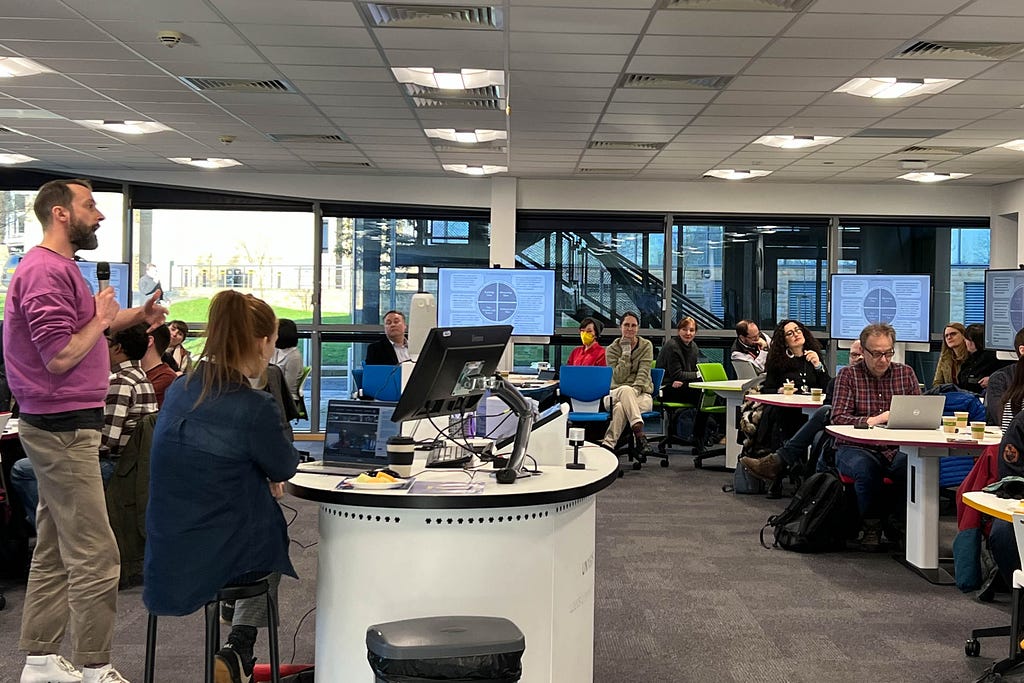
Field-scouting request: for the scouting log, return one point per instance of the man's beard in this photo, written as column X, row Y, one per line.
column 83, row 236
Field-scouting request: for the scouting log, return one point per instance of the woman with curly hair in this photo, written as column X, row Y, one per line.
column 795, row 355
column 954, row 353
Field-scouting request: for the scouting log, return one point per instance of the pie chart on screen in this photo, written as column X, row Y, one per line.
column 880, row 306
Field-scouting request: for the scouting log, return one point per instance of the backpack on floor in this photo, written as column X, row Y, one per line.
column 814, row 520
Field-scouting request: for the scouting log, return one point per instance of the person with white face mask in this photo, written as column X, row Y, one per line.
column 591, row 353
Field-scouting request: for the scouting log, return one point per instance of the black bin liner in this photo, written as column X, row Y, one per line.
column 505, row 667
column 446, row 649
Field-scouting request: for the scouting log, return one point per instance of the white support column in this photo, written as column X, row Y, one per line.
column 504, row 195
column 1006, row 250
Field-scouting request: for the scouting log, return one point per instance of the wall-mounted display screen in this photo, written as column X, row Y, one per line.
column 903, row 301
column 118, row 280
column 474, row 297
column 1004, row 308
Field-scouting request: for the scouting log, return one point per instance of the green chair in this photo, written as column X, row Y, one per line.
column 710, row 372
column 301, row 403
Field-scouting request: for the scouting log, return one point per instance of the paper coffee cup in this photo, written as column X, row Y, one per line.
column 961, row 419
column 977, row 430
column 816, row 394
column 948, row 424
column 401, row 450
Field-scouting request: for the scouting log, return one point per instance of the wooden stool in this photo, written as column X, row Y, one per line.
column 238, row 592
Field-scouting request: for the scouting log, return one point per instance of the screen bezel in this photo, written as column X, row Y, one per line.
column 124, row 297
column 833, row 330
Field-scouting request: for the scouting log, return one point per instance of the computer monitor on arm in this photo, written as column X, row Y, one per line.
column 455, row 368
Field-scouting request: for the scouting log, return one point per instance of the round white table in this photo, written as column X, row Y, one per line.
column 523, row 551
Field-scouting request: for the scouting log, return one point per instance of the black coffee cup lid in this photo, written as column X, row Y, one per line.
column 399, row 440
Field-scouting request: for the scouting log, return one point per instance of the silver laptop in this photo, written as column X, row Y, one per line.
column 355, row 438
column 916, row 412
column 744, row 370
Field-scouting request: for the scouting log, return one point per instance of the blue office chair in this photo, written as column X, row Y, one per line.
column 585, row 387
column 382, row 382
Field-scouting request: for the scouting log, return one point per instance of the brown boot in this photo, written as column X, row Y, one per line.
column 767, row 468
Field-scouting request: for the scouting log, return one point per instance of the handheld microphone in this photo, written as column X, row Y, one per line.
column 103, row 274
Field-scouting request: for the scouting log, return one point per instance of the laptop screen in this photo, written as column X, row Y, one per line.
column 357, row 432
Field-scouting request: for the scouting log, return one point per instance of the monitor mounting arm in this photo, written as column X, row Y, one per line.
column 522, row 409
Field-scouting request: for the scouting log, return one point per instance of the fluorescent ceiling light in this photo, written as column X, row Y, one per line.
column 1015, row 145
column 466, row 136
column 890, row 88
column 125, row 127
column 730, row 174
column 929, row 177
column 11, row 159
column 11, row 67
column 28, row 114
column 795, row 141
column 205, row 163
column 475, row 170
column 464, row 79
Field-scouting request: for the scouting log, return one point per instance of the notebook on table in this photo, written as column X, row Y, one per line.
column 355, row 437
column 916, row 412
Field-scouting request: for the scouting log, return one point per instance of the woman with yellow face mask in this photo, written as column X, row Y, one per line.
column 591, row 353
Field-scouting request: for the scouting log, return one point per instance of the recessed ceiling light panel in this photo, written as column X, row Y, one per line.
column 731, row 174
column 11, row 159
column 125, row 127
column 463, row 79
column 212, row 162
column 892, row 88
column 475, row 170
column 795, row 141
column 929, row 177
column 12, row 67
column 1015, row 145
column 468, row 137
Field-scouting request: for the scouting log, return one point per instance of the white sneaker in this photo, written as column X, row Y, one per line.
column 49, row 669
column 104, row 674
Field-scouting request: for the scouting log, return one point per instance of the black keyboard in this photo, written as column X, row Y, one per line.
column 449, row 454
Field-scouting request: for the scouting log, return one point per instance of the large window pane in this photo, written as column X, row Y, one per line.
column 195, row 254
column 602, row 268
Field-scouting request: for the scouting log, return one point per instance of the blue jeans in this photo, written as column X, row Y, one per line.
column 1003, row 545
column 867, row 469
column 794, row 450
column 24, row 483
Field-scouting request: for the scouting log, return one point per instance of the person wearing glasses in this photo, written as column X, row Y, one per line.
column 862, row 396
column 750, row 346
column 954, row 353
column 794, row 355
column 794, row 451
column 630, row 357
column 980, row 362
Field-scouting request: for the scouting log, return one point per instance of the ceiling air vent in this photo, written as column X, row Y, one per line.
column 475, row 98
column 354, row 165
column 386, row 15
column 956, row 49
column 202, row 84
column 608, row 171
column 623, row 144
column 939, row 150
column 763, row 5
column 899, row 133
column 305, row 137
column 675, row 81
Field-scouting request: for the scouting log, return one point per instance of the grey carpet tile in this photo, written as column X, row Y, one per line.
column 684, row 593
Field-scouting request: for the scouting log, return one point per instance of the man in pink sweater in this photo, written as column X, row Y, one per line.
column 58, row 369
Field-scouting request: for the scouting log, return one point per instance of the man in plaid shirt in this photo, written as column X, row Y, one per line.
column 131, row 395
column 863, row 393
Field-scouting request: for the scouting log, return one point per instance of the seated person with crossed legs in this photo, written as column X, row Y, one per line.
column 630, row 358
column 794, row 450
column 863, row 393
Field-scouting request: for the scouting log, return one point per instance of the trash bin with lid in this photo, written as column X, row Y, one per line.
column 451, row 648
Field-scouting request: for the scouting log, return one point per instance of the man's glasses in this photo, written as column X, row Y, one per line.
column 855, row 355
column 880, row 354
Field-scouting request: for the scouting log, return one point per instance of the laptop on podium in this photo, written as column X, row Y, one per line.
column 355, row 437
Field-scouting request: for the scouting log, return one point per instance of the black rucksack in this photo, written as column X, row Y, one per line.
column 814, row 520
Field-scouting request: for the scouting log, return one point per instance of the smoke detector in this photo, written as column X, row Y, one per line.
column 913, row 163
column 170, row 38
column 227, row 139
